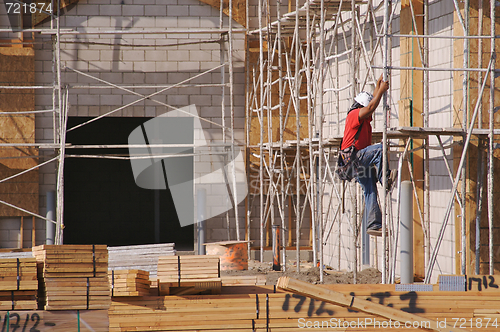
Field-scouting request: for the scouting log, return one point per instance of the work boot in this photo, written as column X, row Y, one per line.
column 375, row 230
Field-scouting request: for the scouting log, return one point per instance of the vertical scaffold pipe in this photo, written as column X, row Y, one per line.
column 353, row 186
column 321, row 92
column 261, row 120
column 465, row 103
column 490, row 135
column 284, row 229
column 384, row 142
column 479, row 200
column 310, row 121
column 297, row 118
column 406, row 232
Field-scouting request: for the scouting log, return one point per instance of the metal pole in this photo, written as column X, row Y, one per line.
column 297, row 115
column 320, row 157
column 62, row 132
column 284, row 229
column 479, row 208
column 247, row 138
column 427, row 207
column 463, row 257
column 310, row 111
column 261, row 120
column 406, row 231
column 354, row 224
column 384, row 142
column 54, row 88
column 491, row 158
column 337, row 79
column 480, row 13
column 354, row 86
column 270, row 56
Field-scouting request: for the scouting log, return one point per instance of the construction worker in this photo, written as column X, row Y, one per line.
column 367, row 165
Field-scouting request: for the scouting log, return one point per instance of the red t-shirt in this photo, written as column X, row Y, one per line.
column 351, row 127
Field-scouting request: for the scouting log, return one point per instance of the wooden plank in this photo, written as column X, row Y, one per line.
column 33, row 232
column 129, row 283
column 70, row 247
column 243, row 280
column 330, row 296
column 21, row 233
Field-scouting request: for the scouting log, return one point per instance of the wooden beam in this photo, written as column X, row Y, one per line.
column 411, row 114
column 21, row 233
column 33, row 228
column 330, row 296
column 239, row 9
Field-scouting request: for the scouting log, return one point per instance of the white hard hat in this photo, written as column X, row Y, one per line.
column 364, row 98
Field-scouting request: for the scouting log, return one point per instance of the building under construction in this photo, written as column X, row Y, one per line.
column 275, row 78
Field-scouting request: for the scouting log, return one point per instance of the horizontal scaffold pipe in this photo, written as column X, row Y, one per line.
column 439, row 37
column 25, row 87
column 216, row 85
column 139, row 32
column 435, row 69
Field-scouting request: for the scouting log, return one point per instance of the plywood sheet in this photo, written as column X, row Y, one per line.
column 412, row 90
column 239, row 9
column 40, row 16
column 17, row 69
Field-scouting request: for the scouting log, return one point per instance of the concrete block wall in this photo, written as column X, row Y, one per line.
column 154, row 60
column 10, row 232
column 441, row 115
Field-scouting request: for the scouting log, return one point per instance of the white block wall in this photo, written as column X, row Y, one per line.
column 110, row 57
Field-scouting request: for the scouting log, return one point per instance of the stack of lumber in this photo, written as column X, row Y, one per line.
column 129, row 282
column 296, row 305
column 73, row 277
column 70, row 260
column 18, row 284
column 190, row 274
column 76, row 293
column 55, row 321
column 231, row 280
column 140, row 257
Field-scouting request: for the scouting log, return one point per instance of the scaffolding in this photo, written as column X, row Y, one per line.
column 300, row 46
column 288, row 79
